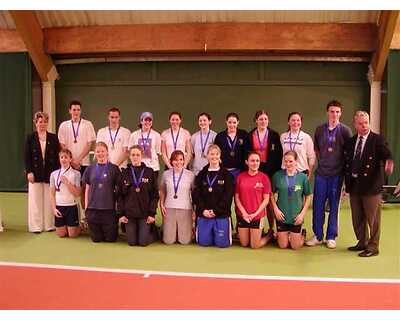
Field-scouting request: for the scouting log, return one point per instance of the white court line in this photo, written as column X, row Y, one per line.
column 148, row 273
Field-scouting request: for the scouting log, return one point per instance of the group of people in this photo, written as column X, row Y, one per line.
column 266, row 174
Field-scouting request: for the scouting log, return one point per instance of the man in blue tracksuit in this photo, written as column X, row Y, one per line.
column 329, row 140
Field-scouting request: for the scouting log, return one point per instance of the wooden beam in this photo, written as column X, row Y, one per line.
column 30, row 31
column 387, row 24
column 213, row 37
column 10, row 41
column 396, row 36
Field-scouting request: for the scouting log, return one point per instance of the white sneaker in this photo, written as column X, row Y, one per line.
column 331, row 244
column 313, row 242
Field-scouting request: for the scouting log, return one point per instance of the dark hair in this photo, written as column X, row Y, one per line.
column 204, row 114
column 252, row 153
column 65, row 151
column 259, row 113
column 175, row 113
column 175, row 155
column 75, row 103
column 114, row 109
column 291, row 153
column 232, row 114
column 334, row 103
column 292, row 114
column 137, row 147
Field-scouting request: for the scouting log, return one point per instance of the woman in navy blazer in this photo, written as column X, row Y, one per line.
column 41, row 158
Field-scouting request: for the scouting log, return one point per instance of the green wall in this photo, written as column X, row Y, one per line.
column 16, row 118
column 215, row 87
column 393, row 110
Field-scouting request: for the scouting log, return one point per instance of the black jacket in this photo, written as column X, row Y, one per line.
column 241, row 149
column 33, row 156
column 220, row 199
column 275, row 153
column 371, row 175
column 141, row 204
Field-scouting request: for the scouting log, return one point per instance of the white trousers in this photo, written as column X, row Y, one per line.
column 40, row 215
column 1, row 222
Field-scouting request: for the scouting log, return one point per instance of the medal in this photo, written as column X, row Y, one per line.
column 231, row 145
column 77, row 130
column 211, row 182
column 101, row 175
column 203, row 147
column 175, row 141
column 145, row 140
column 290, row 181
column 331, row 136
column 136, row 180
column 295, row 142
column 113, row 139
column 176, row 183
column 58, row 180
column 262, row 143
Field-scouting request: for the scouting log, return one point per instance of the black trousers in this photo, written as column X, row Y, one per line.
column 138, row 232
column 103, row 225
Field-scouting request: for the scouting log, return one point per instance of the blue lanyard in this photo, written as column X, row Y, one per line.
column 76, row 133
column 211, row 182
column 290, row 141
column 144, row 141
column 101, row 174
column 290, row 182
column 203, row 148
column 176, row 183
column 136, row 180
column 265, row 139
column 331, row 136
column 58, row 181
column 231, row 144
column 111, row 137
column 175, row 141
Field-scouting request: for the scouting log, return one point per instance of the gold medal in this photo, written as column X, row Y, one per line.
column 137, row 189
column 175, row 196
column 330, row 149
column 232, row 154
column 210, row 189
column 100, row 185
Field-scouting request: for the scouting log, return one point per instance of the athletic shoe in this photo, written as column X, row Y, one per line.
column 313, row 242
column 331, row 244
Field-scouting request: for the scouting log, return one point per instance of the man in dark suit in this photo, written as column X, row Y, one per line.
column 367, row 156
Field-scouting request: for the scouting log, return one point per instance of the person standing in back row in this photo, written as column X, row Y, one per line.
column 116, row 138
column 78, row 136
column 329, row 139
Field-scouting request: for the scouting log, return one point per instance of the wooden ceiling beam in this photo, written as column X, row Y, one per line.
column 213, row 37
column 396, row 36
column 386, row 28
column 30, row 31
column 10, row 41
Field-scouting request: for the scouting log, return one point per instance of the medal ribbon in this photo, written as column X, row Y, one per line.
column 111, row 137
column 290, row 181
column 203, row 148
column 295, row 142
column 144, row 140
column 137, row 181
column 211, row 182
column 100, row 173
column 262, row 144
column 77, row 129
column 175, row 141
column 176, row 183
column 231, row 144
column 58, row 180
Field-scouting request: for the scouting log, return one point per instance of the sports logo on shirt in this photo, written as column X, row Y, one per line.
column 258, row 185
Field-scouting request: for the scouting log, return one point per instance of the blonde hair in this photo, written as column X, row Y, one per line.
column 101, row 144
column 213, row 147
column 40, row 115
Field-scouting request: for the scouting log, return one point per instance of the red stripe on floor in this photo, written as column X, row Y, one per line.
column 38, row 288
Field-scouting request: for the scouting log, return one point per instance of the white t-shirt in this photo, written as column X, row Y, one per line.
column 85, row 135
column 121, row 141
column 151, row 144
column 303, row 145
column 63, row 196
column 184, row 199
column 184, row 136
column 200, row 157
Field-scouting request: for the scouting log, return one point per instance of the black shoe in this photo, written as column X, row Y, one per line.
column 368, row 253
column 37, row 232
column 357, row 247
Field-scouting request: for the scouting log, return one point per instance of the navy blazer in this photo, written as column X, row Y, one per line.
column 34, row 160
column 371, row 176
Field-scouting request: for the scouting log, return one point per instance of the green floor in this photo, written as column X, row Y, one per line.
column 17, row 245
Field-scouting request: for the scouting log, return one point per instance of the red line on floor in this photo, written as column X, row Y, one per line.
column 38, row 288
